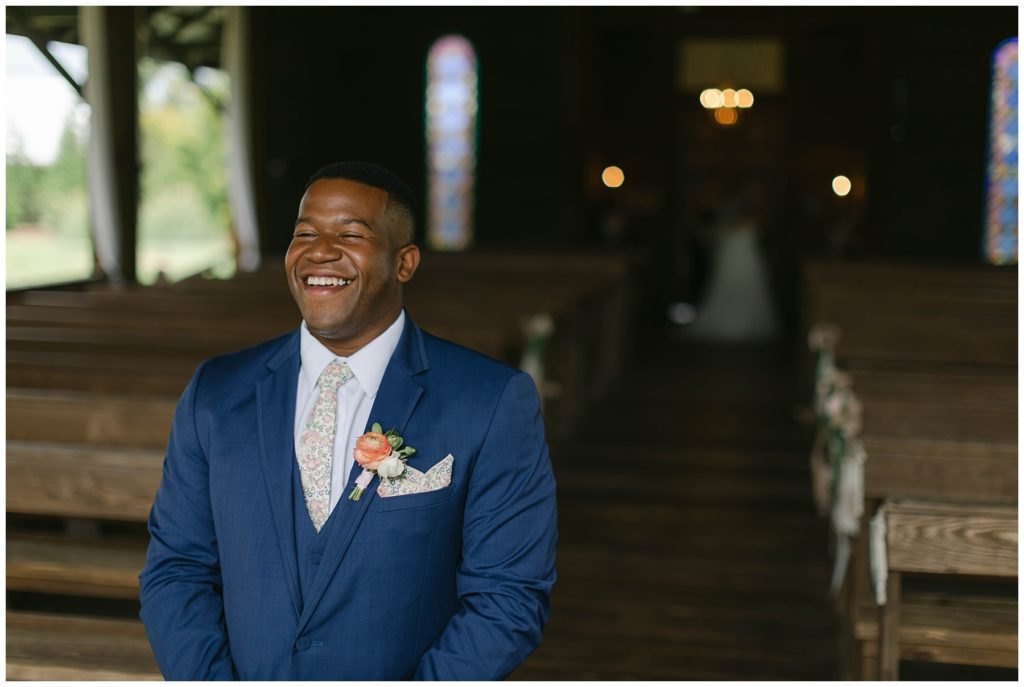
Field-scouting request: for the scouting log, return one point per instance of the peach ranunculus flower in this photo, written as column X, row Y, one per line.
column 371, row 449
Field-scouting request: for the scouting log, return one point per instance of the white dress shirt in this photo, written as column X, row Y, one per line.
column 355, row 397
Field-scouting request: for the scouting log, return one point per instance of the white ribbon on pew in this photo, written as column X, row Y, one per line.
column 538, row 330
column 847, row 509
column 842, row 561
column 849, row 501
column 821, row 473
column 879, row 555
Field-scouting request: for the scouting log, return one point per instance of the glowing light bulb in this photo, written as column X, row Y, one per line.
column 613, row 176
column 726, row 116
column 728, row 98
column 711, row 98
column 841, row 185
column 744, row 98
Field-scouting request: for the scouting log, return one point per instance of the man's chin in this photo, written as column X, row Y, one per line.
column 330, row 331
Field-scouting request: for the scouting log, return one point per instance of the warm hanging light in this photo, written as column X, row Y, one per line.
column 841, row 185
column 724, row 103
column 613, row 176
column 711, row 98
column 726, row 116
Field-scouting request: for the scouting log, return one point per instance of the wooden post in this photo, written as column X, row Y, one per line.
column 124, row 108
column 109, row 35
column 888, row 630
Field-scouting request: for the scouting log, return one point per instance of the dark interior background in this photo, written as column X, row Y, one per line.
column 898, row 95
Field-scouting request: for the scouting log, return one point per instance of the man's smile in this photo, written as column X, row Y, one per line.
column 314, row 280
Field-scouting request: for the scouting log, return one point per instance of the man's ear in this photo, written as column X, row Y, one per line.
column 408, row 261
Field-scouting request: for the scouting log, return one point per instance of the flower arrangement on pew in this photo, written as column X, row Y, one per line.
column 837, row 456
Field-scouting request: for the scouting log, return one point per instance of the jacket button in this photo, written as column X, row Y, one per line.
column 316, row 558
column 302, row 644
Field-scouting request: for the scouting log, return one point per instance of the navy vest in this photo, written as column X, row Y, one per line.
column 309, row 544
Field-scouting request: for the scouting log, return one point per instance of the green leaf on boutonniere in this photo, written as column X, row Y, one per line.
column 376, row 428
column 394, row 440
column 407, row 451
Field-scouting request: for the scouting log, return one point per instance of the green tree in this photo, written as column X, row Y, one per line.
column 24, row 201
column 182, row 145
column 63, row 186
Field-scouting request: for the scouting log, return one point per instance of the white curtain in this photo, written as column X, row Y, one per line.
column 103, row 198
column 240, row 182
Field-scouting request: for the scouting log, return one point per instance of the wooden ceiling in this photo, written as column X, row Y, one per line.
column 187, row 34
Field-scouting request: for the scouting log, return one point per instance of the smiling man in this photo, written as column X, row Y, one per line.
column 357, row 499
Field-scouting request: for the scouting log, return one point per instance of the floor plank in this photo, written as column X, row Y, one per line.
column 689, row 546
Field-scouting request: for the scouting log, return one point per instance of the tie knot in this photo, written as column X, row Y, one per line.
column 334, row 375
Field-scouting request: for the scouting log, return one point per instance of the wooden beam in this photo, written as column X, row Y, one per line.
column 23, row 26
column 123, row 69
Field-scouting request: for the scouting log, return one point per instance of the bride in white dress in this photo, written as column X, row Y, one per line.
column 739, row 305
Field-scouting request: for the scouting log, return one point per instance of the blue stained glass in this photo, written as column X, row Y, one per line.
column 451, row 123
column 1001, row 193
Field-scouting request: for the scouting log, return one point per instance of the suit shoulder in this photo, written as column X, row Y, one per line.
column 254, row 358
column 456, row 360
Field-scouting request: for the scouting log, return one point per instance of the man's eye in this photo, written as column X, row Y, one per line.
column 303, row 234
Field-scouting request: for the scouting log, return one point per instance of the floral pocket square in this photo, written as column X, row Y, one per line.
column 412, row 481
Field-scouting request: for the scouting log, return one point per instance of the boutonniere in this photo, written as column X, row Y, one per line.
column 380, row 452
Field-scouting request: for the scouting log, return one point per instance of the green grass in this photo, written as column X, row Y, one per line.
column 38, row 257
column 180, row 259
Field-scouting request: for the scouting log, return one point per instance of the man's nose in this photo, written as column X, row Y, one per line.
column 324, row 249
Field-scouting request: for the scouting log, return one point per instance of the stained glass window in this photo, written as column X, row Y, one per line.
column 451, row 114
column 1001, row 201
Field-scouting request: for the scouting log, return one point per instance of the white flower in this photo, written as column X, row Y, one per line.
column 392, row 466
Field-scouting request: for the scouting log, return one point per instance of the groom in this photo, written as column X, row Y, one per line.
column 356, row 499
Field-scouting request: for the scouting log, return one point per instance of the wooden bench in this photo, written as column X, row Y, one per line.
column 932, row 352
column 952, row 437
column 905, row 313
column 92, row 484
column 93, row 377
column 933, row 538
column 80, row 481
column 50, row 646
column 75, row 566
column 479, row 301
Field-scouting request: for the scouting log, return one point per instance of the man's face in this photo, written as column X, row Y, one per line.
column 344, row 269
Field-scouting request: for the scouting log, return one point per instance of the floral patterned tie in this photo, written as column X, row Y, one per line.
column 316, row 446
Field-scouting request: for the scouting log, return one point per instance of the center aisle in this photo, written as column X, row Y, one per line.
column 689, row 546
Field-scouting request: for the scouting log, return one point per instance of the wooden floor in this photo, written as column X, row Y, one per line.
column 689, row 547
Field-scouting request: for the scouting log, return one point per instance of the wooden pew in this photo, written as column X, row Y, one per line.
column 481, row 302
column 904, row 313
column 94, row 374
column 81, row 481
column 943, row 538
column 953, row 437
column 90, row 485
column 49, row 646
column 932, row 352
column 75, row 566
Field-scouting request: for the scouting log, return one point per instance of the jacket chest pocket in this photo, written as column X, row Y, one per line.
column 403, row 502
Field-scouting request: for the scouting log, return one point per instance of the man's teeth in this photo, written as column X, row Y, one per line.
column 327, row 281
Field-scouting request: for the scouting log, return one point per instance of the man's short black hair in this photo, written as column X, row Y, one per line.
column 400, row 199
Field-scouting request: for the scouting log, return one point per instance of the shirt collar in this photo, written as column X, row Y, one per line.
column 368, row 364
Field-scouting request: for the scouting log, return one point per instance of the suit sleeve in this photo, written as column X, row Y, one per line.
column 507, row 570
column 180, row 586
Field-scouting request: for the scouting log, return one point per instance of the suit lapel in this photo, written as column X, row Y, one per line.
column 396, row 399
column 275, row 420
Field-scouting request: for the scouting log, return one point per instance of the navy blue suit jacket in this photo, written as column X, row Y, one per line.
column 449, row 584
